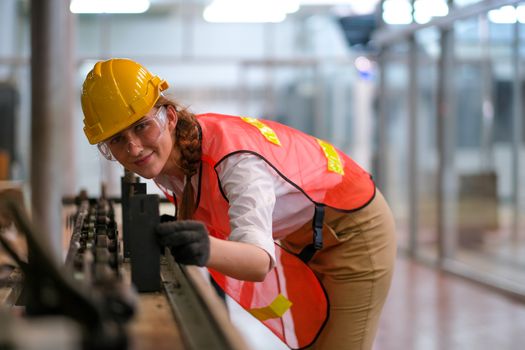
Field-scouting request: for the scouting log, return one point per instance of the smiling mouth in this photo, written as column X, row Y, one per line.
column 143, row 160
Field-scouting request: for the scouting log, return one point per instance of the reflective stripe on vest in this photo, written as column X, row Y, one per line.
column 275, row 310
column 332, row 157
column 334, row 163
column 266, row 131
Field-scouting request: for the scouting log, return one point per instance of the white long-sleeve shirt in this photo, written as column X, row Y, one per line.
column 263, row 206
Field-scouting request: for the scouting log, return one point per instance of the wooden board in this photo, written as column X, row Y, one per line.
column 154, row 327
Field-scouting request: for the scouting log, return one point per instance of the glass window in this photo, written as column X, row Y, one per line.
column 396, row 100
column 484, row 83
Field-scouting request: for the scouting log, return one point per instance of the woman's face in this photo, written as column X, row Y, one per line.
column 140, row 153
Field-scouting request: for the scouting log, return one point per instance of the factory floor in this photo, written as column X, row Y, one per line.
column 428, row 310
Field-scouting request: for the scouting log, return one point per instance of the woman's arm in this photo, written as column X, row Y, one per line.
column 249, row 186
column 239, row 260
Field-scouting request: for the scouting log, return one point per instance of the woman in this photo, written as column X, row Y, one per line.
column 241, row 185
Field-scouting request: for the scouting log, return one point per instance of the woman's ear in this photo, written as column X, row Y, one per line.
column 172, row 117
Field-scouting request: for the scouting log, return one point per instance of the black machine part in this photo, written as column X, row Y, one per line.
column 144, row 249
column 50, row 291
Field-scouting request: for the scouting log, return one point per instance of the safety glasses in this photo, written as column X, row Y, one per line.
column 147, row 131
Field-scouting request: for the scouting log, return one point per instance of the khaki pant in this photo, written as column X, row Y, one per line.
column 355, row 267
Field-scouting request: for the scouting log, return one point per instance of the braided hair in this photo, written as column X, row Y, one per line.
column 187, row 140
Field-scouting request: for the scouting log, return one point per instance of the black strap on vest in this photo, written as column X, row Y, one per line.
column 317, row 225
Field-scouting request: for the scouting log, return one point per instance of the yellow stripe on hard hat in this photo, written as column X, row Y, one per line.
column 275, row 310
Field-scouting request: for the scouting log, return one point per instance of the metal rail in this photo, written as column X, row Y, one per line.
column 388, row 36
column 203, row 321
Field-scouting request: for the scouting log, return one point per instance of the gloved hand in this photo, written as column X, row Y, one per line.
column 187, row 240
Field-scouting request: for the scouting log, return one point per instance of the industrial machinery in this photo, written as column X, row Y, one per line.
column 114, row 291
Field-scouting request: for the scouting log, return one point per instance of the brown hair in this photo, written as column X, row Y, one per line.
column 189, row 143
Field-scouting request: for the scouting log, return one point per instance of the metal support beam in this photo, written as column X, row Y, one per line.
column 388, row 36
column 446, row 144
column 487, row 76
column 51, row 114
column 381, row 155
column 517, row 127
column 413, row 188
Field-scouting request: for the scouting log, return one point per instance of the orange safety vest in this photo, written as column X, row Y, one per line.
column 290, row 301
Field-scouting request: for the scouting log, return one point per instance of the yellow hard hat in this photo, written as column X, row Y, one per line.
column 115, row 94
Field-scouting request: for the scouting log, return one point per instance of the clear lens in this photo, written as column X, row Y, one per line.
column 147, row 130
column 104, row 149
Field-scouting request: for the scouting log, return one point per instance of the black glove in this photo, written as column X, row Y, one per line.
column 166, row 218
column 187, row 240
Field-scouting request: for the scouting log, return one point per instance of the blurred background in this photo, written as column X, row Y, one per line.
column 427, row 95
